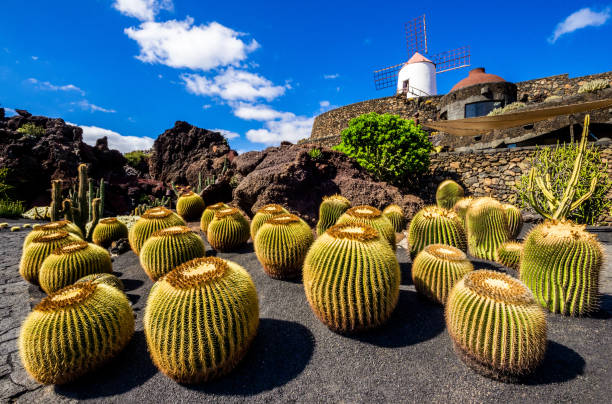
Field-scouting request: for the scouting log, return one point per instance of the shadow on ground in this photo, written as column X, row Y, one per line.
column 560, row 364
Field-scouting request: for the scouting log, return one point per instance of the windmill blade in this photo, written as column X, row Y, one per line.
column 387, row 77
column 452, row 59
column 416, row 36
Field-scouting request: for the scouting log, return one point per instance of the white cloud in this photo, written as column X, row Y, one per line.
column 180, row 44
column 227, row 133
column 34, row 57
column 45, row 85
column 234, row 85
column 580, row 19
column 324, row 104
column 87, row 106
column 206, row 106
column 115, row 140
column 290, row 129
column 331, row 76
column 259, row 112
column 144, row 10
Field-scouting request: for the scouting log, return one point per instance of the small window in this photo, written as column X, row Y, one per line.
column 405, row 84
column 481, row 108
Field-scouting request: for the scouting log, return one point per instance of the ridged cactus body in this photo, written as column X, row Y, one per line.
column 515, row 220
column 395, row 214
column 437, row 268
column 461, row 207
column 330, row 211
column 561, row 265
column 190, row 206
column 281, row 245
column 435, row 225
column 151, row 221
column 228, row 230
column 509, row 254
column 351, row 278
column 40, row 248
column 497, row 327
column 448, row 193
column 209, row 214
column 108, row 279
column 40, row 229
column 371, row 216
column 168, row 248
column 266, row 212
column 200, row 319
column 74, row 331
column 487, row 227
column 108, row 230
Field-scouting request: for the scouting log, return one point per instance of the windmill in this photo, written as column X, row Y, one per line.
column 417, row 76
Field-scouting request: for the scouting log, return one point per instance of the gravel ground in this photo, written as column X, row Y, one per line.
column 296, row 358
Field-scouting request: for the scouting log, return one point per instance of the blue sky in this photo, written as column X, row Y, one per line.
column 262, row 70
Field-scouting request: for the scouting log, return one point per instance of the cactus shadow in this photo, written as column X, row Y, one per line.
column 131, row 284
column 605, row 308
column 279, row 353
column 561, row 364
column 405, row 263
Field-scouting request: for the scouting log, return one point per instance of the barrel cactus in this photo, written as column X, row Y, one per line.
column 40, row 248
column 515, row 220
column 151, row 221
column 190, row 206
column 330, row 211
column 109, row 230
column 509, row 254
column 168, row 248
column 75, row 330
column 263, row 214
column 448, row 193
column 395, row 214
column 437, row 268
column 496, row 326
column 228, row 230
column 40, row 229
column 351, row 278
column 71, row 262
column 487, row 227
column 461, row 207
column 435, row 225
column 209, row 214
column 281, row 245
column 108, row 279
column 200, row 319
column 371, row 216
column 561, row 264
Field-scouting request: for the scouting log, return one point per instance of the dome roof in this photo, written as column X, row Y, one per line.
column 416, row 58
column 477, row 76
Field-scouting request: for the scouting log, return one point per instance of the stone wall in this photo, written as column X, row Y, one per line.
column 538, row 89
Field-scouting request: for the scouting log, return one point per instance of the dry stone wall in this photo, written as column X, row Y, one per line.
column 562, row 84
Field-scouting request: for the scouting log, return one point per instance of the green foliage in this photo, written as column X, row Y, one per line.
column 31, row 130
column 593, row 85
column 4, row 187
column 507, row 109
column 315, row 154
column 135, row 158
column 389, row 147
column 10, row 208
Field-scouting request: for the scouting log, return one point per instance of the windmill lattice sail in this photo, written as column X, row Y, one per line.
column 452, row 59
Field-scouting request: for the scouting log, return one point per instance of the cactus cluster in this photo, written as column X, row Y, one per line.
column 330, row 211
column 151, row 221
column 351, row 278
column 108, row 279
column 40, row 248
column 497, row 327
column 435, row 225
column 509, row 254
column 190, row 206
column 228, row 230
column 209, row 214
column 461, row 207
column 487, row 227
column 109, row 230
column 262, row 215
column 74, row 331
column 395, row 214
column 40, row 229
column 448, row 193
column 281, row 245
column 515, row 220
column 200, row 319
column 371, row 216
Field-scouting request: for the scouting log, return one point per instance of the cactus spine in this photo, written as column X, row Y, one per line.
column 281, row 245
column 497, row 327
column 209, row 215
column 435, row 225
column 52, row 227
column 190, row 206
column 151, row 221
column 461, row 207
column 371, row 216
column 351, row 278
column 330, row 211
column 437, row 268
column 448, row 193
column 228, row 230
column 395, row 214
column 263, row 214
column 108, row 279
column 109, row 230
column 509, row 254
column 200, row 319
column 515, row 220
column 74, row 331
column 487, row 227
column 39, row 249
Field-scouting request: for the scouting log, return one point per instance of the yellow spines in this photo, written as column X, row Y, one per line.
column 263, row 214
column 209, row 214
column 168, row 248
column 487, row 227
column 435, row 225
column 108, row 279
column 371, row 216
column 108, row 230
column 496, row 325
column 190, row 206
column 437, row 268
column 461, row 207
column 395, row 214
column 509, row 254
column 200, row 319
column 330, row 211
column 281, row 245
column 74, row 331
column 40, row 248
column 351, row 278
column 70, row 263
column 515, row 220
column 448, row 193
column 228, row 230
column 151, row 221
column 40, row 229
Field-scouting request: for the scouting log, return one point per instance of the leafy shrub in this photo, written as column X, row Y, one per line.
column 315, row 153
column 4, row 187
column 136, row 158
column 507, row 109
column 31, row 130
column 389, row 147
column 10, row 208
column 593, row 85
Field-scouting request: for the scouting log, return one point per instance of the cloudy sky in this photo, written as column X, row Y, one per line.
column 261, row 71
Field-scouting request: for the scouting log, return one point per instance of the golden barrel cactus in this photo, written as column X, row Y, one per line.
column 263, row 214
column 509, row 254
column 40, row 248
column 209, row 214
column 461, row 207
column 395, row 214
column 371, row 216
column 330, row 211
column 448, row 193
column 108, row 230
column 435, row 225
column 515, row 220
column 40, row 229
column 190, row 206
column 228, row 230
column 151, row 221
column 108, row 279
column 487, row 227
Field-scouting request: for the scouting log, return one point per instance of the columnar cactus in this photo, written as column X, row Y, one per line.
column 228, row 230
column 330, row 211
column 351, row 278
column 190, row 206
column 371, row 216
column 151, row 221
column 461, row 207
column 561, row 264
column 71, row 262
column 487, row 227
column 435, row 225
column 39, row 249
column 108, row 279
column 515, row 220
column 209, row 215
column 168, row 248
column 395, row 214
column 437, row 268
column 75, row 330
column 509, row 254
column 263, row 214
column 497, row 327
column 40, row 229
column 109, row 230
column 200, row 319
column 281, row 245
column 448, row 193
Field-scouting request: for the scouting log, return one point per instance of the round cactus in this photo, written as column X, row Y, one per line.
column 395, row 214
column 448, row 193
column 263, row 214
column 487, row 227
column 168, row 248
column 200, row 319
column 351, row 278
column 371, row 216
column 497, row 327
column 70, row 263
column 39, row 249
column 228, row 230
column 330, row 211
column 515, row 220
column 108, row 279
column 74, row 331
column 209, row 215
column 462, row 206
column 64, row 225
column 437, row 268
column 435, row 225
column 151, row 221
column 562, row 264
column 509, row 254
column 108, row 230
column 281, row 245
column 190, row 206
